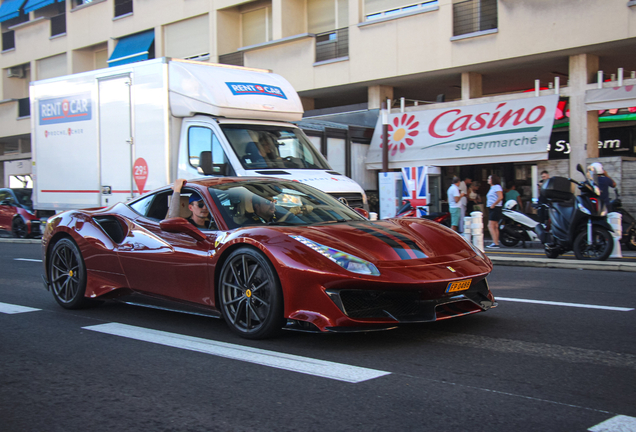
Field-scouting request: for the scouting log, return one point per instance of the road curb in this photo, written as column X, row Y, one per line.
column 563, row 263
column 18, row 240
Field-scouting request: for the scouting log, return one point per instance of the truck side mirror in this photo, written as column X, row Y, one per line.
column 180, row 225
column 207, row 165
column 205, row 162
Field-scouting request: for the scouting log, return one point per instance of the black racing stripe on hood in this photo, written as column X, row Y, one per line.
column 403, row 246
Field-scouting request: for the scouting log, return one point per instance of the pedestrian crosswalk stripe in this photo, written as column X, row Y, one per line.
column 305, row 365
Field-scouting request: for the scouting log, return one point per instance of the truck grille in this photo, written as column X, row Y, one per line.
column 353, row 199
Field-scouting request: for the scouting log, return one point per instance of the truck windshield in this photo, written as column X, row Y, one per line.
column 263, row 147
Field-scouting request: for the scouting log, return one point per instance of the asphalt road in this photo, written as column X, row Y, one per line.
column 521, row 366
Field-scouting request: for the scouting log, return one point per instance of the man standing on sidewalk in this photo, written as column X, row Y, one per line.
column 454, row 195
column 463, row 202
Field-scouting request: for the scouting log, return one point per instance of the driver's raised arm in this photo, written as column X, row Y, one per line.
column 175, row 200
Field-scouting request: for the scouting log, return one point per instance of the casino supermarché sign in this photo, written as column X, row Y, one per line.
column 505, row 131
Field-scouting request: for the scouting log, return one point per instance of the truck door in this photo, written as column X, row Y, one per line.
column 115, row 139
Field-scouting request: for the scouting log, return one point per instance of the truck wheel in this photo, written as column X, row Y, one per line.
column 19, row 228
column 599, row 250
column 250, row 295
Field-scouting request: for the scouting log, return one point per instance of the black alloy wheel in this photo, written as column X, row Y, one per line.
column 19, row 228
column 67, row 275
column 250, row 295
column 599, row 250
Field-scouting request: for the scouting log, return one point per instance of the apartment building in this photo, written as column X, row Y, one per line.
column 348, row 56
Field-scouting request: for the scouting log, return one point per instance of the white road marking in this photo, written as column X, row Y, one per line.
column 27, row 259
column 15, row 309
column 619, row 423
column 306, row 365
column 579, row 305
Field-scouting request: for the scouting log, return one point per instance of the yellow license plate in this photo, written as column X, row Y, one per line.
column 458, row 286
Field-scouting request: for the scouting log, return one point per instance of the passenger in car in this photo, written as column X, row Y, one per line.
column 265, row 211
column 200, row 214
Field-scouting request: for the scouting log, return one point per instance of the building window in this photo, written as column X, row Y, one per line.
column 24, row 107
column 256, row 26
column 82, row 2
column 235, row 59
column 332, row 45
column 188, row 39
column 8, row 40
column 470, row 16
column 123, row 7
column 327, row 15
column 58, row 24
column 376, row 9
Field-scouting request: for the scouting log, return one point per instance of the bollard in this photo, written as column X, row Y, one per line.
column 477, row 229
column 615, row 221
column 373, row 216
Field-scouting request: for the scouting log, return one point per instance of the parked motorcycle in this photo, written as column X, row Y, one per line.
column 407, row 210
column 516, row 226
column 628, row 223
column 577, row 223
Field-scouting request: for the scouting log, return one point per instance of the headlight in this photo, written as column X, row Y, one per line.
column 344, row 260
column 583, row 209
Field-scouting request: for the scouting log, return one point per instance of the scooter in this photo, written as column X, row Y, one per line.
column 407, row 210
column 578, row 223
column 516, row 226
column 628, row 223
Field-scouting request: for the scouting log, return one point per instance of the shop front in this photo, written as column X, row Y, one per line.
column 507, row 136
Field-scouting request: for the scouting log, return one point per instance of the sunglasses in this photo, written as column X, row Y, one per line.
column 200, row 203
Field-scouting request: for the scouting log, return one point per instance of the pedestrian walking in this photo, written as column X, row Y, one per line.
column 494, row 201
column 454, row 195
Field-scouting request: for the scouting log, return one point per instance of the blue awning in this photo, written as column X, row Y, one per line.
column 132, row 48
column 32, row 5
column 10, row 9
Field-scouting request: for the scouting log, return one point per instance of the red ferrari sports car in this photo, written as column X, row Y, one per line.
column 311, row 263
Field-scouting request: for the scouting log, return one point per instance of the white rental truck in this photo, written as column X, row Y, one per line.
column 108, row 135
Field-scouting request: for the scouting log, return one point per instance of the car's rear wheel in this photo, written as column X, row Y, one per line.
column 250, row 295
column 67, row 275
column 19, row 228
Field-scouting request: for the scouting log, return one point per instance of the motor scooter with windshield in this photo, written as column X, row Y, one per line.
column 577, row 223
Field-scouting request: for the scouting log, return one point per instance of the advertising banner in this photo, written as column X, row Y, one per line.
column 511, row 131
column 610, row 98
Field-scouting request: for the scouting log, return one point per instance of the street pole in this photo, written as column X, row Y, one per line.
column 385, row 137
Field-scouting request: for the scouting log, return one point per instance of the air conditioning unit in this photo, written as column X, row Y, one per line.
column 15, row 72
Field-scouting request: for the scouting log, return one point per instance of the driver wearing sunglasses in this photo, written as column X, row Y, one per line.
column 200, row 217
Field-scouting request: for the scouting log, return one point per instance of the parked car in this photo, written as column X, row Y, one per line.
column 17, row 215
column 319, row 265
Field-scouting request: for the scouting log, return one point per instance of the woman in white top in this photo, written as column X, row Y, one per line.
column 494, row 201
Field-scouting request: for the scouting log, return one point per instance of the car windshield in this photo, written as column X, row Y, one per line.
column 263, row 147
column 24, row 197
column 289, row 203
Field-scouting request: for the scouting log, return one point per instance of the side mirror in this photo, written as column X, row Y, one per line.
column 208, row 167
column 579, row 168
column 180, row 225
column 362, row 212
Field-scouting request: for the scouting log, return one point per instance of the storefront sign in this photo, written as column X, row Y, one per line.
column 612, row 142
column 511, row 131
column 610, row 98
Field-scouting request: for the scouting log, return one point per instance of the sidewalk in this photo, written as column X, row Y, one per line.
column 533, row 256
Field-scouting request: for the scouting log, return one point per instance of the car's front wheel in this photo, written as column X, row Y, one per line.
column 250, row 295
column 67, row 275
column 19, row 228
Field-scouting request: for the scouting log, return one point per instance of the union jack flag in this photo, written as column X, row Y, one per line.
column 414, row 184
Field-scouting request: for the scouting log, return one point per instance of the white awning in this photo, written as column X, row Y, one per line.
column 610, row 98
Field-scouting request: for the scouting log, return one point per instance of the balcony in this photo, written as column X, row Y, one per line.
column 332, row 45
